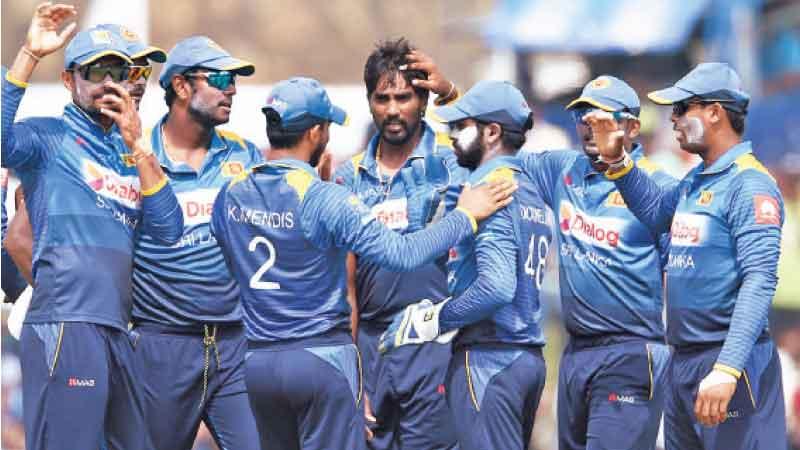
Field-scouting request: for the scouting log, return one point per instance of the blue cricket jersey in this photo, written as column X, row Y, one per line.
column 383, row 292
column 13, row 283
column 285, row 235
column 611, row 265
column 725, row 224
column 86, row 207
column 495, row 277
column 188, row 283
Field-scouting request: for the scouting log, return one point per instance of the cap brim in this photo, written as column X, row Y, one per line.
column 95, row 56
column 591, row 101
column 449, row 113
column 339, row 116
column 154, row 53
column 669, row 95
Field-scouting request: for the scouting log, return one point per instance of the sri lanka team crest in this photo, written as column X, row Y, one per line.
column 111, row 185
column 615, row 199
column 705, row 199
column 232, row 168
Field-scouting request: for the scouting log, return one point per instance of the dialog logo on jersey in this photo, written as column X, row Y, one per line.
column 767, row 210
column 232, row 168
column 600, row 231
column 197, row 205
column 392, row 213
column 688, row 230
column 111, row 185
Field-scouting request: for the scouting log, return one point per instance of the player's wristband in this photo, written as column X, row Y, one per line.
column 619, row 169
column 727, row 369
column 470, row 217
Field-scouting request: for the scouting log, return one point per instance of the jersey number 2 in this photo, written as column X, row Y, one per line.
column 255, row 280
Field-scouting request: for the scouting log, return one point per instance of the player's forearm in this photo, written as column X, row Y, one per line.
column 352, row 298
column 407, row 252
column 652, row 204
column 761, row 250
column 23, row 66
column 480, row 301
column 13, row 90
column 162, row 217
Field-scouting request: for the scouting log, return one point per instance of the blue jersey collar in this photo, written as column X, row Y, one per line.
column 78, row 118
column 286, row 164
column 510, row 161
column 426, row 145
column 728, row 158
column 156, row 139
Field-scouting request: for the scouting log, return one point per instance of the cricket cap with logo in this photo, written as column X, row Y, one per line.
column 302, row 102
column 712, row 81
column 201, row 52
column 136, row 47
column 609, row 94
column 491, row 101
column 90, row 45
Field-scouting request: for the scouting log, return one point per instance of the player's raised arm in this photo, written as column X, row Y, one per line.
column 21, row 144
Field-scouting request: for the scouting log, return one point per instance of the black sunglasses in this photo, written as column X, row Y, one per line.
column 96, row 74
column 680, row 108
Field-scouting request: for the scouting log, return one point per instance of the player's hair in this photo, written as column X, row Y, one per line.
column 511, row 140
column 169, row 92
column 280, row 137
column 386, row 59
column 737, row 121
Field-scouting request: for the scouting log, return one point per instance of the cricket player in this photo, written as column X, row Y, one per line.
column 406, row 388
column 19, row 241
column 497, row 372
column 285, row 235
column 725, row 222
column 187, row 330
column 611, row 374
column 91, row 186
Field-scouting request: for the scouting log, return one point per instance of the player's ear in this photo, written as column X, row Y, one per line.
column 182, row 87
column 67, row 78
column 634, row 128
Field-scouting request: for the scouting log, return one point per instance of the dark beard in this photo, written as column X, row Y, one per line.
column 410, row 129
column 316, row 156
column 471, row 157
column 203, row 118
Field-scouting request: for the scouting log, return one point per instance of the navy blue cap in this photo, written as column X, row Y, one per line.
column 708, row 81
column 609, row 94
column 136, row 48
column 490, row 101
column 90, row 45
column 301, row 102
column 201, row 51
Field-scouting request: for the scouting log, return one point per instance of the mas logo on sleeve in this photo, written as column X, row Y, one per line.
column 232, row 168
column 767, row 210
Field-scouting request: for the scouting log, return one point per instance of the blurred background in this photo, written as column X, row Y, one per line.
column 549, row 48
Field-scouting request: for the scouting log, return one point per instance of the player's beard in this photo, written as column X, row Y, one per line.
column 201, row 113
column 468, row 149
column 409, row 130
column 691, row 135
column 85, row 96
column 317, row 155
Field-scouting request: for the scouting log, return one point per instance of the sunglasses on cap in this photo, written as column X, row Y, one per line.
column 96, row 74
column 220, row 80
column 137, row 72
column 579, row 113
column 680, row 108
